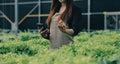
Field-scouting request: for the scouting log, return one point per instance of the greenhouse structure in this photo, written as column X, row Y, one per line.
column 25, row 14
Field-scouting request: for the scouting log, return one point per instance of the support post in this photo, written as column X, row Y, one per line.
column 15, row 24
column 39, row 11
column 88, row 17
column 105, row 22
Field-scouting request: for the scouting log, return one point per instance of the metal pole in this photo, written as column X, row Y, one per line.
column 16, row 17
column 116, row 27
column 88, row 15
column 105, row 21
column 39, row 11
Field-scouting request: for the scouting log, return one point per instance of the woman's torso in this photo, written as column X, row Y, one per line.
column 57, row 37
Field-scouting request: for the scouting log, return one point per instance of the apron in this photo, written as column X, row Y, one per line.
column 57, row 37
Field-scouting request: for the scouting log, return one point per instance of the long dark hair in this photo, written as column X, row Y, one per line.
column 55, row 7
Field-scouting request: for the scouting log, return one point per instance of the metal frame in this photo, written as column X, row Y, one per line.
column 33, row 2
column 16, row 4
column 115, row 17
column 4, row 16
column 38, row 4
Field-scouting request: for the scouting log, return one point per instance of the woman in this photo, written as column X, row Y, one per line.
column 64, row 22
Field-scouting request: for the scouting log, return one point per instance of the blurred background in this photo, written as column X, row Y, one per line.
column 25, row 14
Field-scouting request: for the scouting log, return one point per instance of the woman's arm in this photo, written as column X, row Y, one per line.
column 62, row 27
column 69, row 31
column 77, row 24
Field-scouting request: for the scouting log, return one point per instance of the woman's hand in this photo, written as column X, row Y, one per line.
column 62, row 26
column 44, row 32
